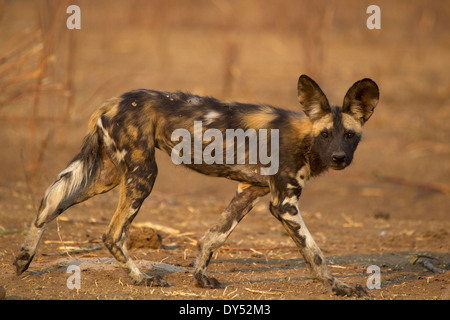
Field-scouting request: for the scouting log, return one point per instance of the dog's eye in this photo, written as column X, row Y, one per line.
column 324, row 134
column 350, row 135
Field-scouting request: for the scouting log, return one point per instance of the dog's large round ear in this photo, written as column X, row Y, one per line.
column 313, row 100
column 361, row 99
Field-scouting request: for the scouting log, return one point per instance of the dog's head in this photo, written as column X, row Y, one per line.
column 336, row 131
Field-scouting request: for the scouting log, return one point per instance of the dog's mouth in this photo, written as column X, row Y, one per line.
column 338, row 166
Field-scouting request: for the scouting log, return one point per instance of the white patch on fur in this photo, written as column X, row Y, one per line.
column 350, row 123
column 297, row 219
column 221, row 237
column 53, row 196
column 326, row 122
column 120, row 155
column 68, row 182
column 106, row 138
column 293, row 218
column 314, row 111
column 241, row 187
column 302, row 176
column 303, row 231
column 194, row 100
column 292, row 201
column 76, row 177
column 210, row 117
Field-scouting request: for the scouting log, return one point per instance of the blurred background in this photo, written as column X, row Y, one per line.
column 52, row 79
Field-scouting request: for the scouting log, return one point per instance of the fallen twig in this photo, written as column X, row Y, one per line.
column 68, row 250
column 430, row 266
column 60, row 238
column 262, row 292
column 426, row 261
column 157, row 227
column 258, row 248
column 337, row 266
column 74, row 220
column 94, row 240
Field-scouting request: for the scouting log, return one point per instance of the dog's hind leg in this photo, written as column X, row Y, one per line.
column 136, row 185
column 78, row 182
column 91, row 172
column 244, row 200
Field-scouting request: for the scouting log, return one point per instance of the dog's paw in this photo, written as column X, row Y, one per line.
column 203, row 281
column 22, row 262
column 342, row 289
column 155, row 281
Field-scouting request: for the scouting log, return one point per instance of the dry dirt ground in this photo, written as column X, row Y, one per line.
column 389, row 209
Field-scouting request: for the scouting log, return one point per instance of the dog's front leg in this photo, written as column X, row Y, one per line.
column 244, row 200
column 285, row 209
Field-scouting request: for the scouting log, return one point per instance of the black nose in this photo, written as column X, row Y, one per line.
column 339, row 157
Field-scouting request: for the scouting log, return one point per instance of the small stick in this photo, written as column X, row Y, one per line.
column 261, row 292
column 258, row 248
column 59, row 235
column 94, row 240
column 429, row 265
column 91, row 221
column 75, row 250
column 157, row 227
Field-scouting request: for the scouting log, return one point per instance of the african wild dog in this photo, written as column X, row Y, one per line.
column 120, row 149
